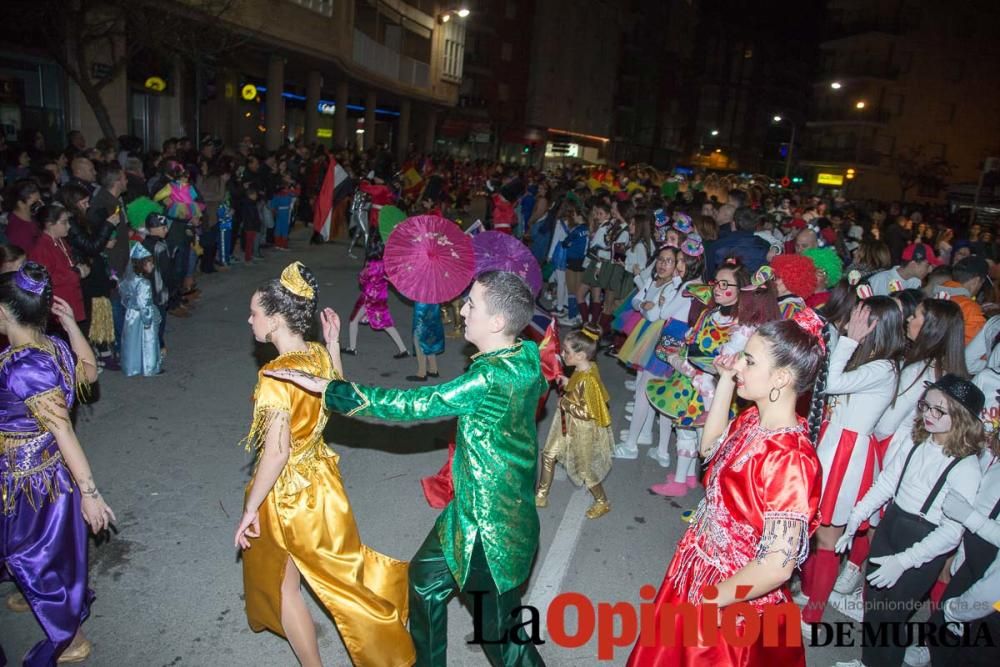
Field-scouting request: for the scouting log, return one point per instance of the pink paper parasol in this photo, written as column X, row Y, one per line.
column 496, row 251
column 429, row 259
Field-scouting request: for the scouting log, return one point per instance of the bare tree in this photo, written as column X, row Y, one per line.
column 916, row 169
column 78, row 34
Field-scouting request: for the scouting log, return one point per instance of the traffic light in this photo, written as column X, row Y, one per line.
column 850, row 173
column 526, row 149
column 796, row 179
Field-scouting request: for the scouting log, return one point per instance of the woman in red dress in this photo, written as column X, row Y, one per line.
column 53, row 252
column 762, row 490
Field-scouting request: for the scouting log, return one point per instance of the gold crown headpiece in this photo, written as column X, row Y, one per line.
column 292, row 280
column 592, row 335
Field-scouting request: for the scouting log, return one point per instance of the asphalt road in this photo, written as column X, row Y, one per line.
column 165, row 454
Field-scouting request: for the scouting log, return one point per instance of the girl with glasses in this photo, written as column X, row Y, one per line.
column 916, row 536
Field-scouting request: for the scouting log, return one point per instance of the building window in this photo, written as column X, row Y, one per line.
column 453, row 52
column 507, row 52
column 324, row 7
column 511, row 12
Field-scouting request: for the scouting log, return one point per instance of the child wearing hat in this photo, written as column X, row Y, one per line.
column 155, row 242
column 140, row 335
column 916, row 537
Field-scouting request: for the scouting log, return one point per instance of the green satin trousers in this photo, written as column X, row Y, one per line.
column 431, row 587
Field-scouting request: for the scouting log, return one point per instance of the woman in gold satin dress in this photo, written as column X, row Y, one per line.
column 297, row 521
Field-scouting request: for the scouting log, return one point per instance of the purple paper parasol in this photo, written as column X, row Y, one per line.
column 429, row 259
column 496, row 251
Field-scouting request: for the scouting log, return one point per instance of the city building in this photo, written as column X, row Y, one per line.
column 365, row 71
column 907, row 98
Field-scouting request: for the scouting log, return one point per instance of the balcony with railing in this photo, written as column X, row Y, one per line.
column 390, row 64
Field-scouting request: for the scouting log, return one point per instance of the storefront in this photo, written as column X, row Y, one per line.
column 32, row 97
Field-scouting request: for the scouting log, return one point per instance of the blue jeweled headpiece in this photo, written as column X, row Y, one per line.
column 27, row 283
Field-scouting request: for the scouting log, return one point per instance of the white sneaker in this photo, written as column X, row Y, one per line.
column 849, row 663
column 664, row 461
column 630, row 385
column 849, row 579
column 917, row 656
column 622, row 452
column 851, row 604
column 630, row 406
column 570, row 321
column 648, row 440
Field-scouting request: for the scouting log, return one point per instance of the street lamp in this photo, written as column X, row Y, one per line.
column 835, row 85
column 860, row 104
column 791, row 144
column 715, row 133
column 460, row 13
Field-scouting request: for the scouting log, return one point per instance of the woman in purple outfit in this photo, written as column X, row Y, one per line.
column 46, row 487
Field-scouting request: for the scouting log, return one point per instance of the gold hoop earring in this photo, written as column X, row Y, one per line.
column 267, row 336
column 771, row 396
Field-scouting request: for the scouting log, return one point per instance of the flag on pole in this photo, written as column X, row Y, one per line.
column 335, row 184
column 544, row 330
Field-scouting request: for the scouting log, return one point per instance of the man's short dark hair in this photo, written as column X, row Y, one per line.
column 508, row 295
column 110, row 175
column 746, row 220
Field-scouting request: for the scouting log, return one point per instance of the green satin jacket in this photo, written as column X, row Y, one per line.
column 495, row 456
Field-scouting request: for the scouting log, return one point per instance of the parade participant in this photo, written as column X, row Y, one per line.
column 598, row 257
column 428, row 340
column 48, row 490
column 580, row 437
column 486, row 538
column 829, row 269
column 970, row 596
column 297, row 521
column 935, row 349
column 372, row 306
column 762, row 490
column 660, row 299
column 795, row 280
column 141, row 335
column 861, row 381
column 680, row 396
column 915, row 537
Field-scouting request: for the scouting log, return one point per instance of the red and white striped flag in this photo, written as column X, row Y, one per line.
column 336, row 179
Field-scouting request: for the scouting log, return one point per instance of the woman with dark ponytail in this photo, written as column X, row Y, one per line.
column 762, row 490
column 297, row 520
column 48, row 490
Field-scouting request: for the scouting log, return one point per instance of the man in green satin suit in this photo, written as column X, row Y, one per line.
column 484, row 540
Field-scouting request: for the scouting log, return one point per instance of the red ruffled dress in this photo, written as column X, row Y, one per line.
column 758, row 484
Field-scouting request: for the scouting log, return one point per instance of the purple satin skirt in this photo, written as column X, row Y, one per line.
column 43, row 544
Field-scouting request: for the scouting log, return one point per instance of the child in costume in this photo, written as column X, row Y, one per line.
column 486, row 538
column 225, row 225
column 428, row 339
column 297, row 520
column 283, row 205
column 680, row 396
column 660, row 302
column 916, row 537
column 141, row 333
column 372, row 306
column 795, row 280
column 46, row 484
column 181, row 200
column 829, row 270
column 580, row 437
column 155, row 243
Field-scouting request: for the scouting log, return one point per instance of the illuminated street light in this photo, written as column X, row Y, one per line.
column 777, row 119
column 835, row 85
column 445, row 18
column 715, row 133
column 462, row 13
column 718, row 150
column 860, row 104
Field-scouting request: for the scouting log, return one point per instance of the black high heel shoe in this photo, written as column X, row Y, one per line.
column 349, row 350
column 401, row 355
column 433, row 375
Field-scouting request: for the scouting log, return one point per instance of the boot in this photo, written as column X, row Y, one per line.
column 601, row 505
column 604, row 321
column 545, row 481
column 594, row 314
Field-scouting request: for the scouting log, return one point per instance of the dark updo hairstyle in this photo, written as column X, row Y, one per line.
column 796, row 349
column 299, row 312
column 28, row 308
column 908, row 300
